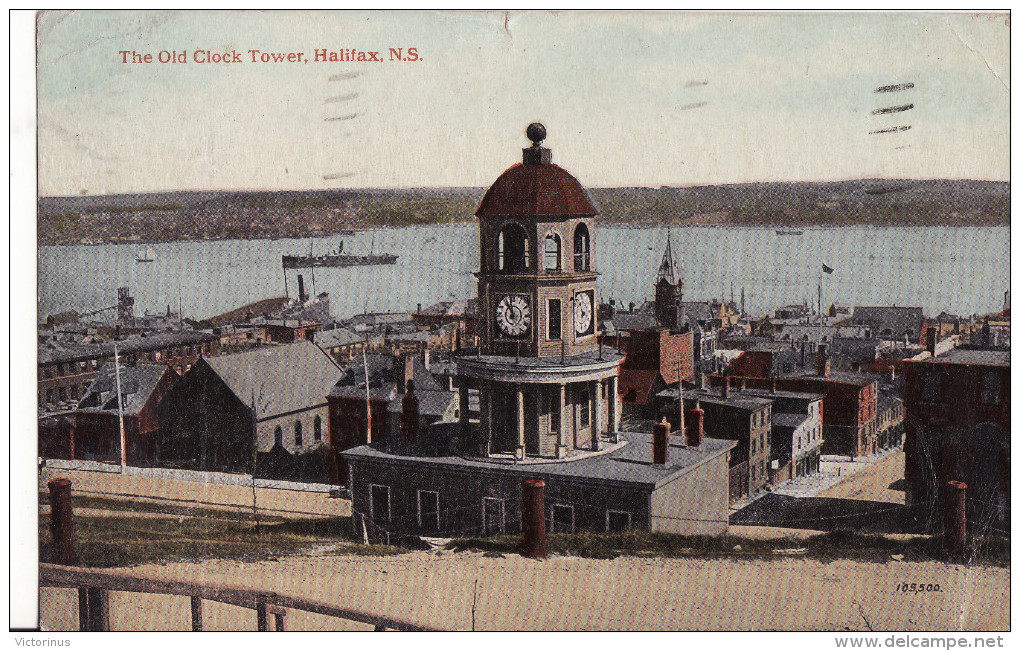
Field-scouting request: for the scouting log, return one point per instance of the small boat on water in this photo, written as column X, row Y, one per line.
column 789, row 232
column 148, row 255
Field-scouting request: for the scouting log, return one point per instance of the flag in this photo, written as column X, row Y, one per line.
column 827, row 269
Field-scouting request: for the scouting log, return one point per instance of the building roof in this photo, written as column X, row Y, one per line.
column 451, row 308
column 337, row 337
column 640, row 381
column 791, row 421
column 891, row 321
column 536, row 190
column 779, row 393
column 382, row 378
column 977, row 357
column 623, row 321
column 430, row 403
column 628, row 465
column 280, row 379
column 736, row 399
column 137, row 382
column 55, row 353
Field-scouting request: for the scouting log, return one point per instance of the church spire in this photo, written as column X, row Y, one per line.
column 667, row 268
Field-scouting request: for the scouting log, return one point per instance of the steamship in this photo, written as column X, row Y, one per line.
column 336, row 258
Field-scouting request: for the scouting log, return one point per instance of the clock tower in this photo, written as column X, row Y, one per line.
column 545, row 386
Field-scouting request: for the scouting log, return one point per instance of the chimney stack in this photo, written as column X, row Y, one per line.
column 409, row 415
column 932, row 335
column 405, row 371
column 660, row 442
column 725, row 387
column 695, row 425
column 822, row 364
column 302, row 297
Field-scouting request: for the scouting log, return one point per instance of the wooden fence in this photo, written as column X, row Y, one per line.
column 94, row 587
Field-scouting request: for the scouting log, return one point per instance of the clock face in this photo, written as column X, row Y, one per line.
column 582, row 313
column 513, row 315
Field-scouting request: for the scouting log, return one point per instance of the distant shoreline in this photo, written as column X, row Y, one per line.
column 221, row 215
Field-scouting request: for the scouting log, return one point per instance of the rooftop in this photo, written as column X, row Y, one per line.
column 627, row 464
column 979, row 357
column 792, row 421
column 736, row 399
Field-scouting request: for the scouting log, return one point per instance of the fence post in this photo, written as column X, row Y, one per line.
column 61, row 523
column 196, row 613
column 955, row 516
column 262, row 611
column 93, row 609
column 533, row 518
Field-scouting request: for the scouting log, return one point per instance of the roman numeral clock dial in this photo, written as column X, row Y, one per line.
column 582, row 313
column 513, row 315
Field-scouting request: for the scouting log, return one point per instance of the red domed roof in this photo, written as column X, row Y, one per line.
column 534, row 190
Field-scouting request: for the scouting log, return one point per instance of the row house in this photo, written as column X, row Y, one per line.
column 67, row 369
column 957, row 421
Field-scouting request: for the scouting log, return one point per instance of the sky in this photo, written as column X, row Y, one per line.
column 640, row 98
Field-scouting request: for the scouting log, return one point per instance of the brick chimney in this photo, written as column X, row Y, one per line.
column 660, row 442
column 822, row 364
column 932, row 335
column 409, row 414
column 695, row 425
column 404, row 371
column 725, row 387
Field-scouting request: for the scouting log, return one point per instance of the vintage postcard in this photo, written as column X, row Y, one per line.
column 523, row 321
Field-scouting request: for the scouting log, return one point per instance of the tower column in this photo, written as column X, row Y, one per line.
column 520, row 423
column 465, row 423
column 596, row 418
column 561, row 436
column 614, row 407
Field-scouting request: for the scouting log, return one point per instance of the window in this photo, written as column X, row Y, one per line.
column 931, row 387
column 554, row 413
column 278, row 436
column 492, row 516
column 513, row 249
column 562, row 520
column 555, row 316
column 428, row 511
column 297, row 433
column 582, row 249
column 552, row 252
column 990, row 383
column 617, row 521
column 379, row 503
column 317, row 428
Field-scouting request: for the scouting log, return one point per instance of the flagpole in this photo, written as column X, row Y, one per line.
column 120, row 410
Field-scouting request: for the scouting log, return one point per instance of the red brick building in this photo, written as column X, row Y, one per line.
column 957, row 428
column 656, row 359
column 850, row 406
column 96, row 433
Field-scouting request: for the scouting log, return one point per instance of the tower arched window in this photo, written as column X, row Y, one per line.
column 513, row 251
column 297, row 434
column 317, row 428
column 582, row 248
column 552, row 252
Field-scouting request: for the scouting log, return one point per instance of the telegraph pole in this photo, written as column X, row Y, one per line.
column 120, row 410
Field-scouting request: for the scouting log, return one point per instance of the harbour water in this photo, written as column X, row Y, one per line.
column 963, row 270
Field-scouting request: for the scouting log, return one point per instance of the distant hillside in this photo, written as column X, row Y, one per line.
column 167, row 216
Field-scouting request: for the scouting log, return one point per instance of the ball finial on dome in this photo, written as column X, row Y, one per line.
column 536, row 133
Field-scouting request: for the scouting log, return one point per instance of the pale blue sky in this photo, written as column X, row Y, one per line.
column 624, row 98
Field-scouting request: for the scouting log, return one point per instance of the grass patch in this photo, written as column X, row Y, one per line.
column 118, row 541
column 826, row 547
column 79, row 501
